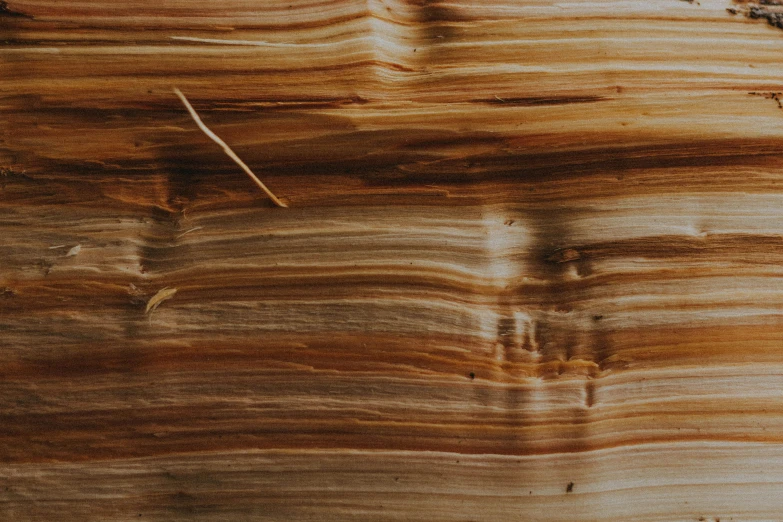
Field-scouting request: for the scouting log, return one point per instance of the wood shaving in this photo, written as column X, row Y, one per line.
column 163, row 294
column 231, row 154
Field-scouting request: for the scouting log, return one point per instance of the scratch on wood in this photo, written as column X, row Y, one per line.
column 252, row 43
column 189, row 231
column 231, row 154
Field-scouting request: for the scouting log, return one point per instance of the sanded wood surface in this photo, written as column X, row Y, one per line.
column 530, row 269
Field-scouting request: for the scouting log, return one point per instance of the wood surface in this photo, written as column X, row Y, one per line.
column 530, row 269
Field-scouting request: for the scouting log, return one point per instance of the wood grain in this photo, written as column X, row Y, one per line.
column 530, row 269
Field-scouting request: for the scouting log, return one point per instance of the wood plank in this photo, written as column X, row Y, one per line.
column 530, row 269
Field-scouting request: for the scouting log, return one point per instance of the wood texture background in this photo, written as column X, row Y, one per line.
column 531, row 268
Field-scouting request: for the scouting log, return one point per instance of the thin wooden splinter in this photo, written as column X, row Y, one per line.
column 231, row 154
column 163, row 294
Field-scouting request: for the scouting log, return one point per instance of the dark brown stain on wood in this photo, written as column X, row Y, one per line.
column 541, row 100
column 5, row 11
column 769, row 10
